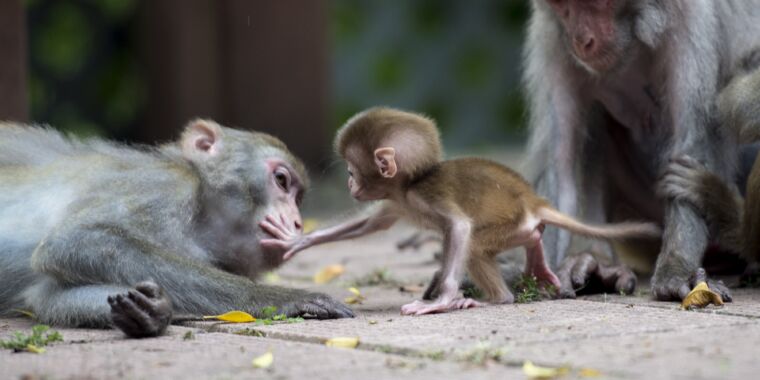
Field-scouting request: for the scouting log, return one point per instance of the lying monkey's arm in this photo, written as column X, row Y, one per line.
column 78, row 255
column 293, row 242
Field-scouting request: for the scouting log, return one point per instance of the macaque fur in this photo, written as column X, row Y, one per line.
column 481, row 207
column 97, row 234
column 616, row 90
column 734, row 221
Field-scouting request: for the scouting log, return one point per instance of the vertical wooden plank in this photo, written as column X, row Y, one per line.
column 275, row 71
column 180, row 54
column 13, row 96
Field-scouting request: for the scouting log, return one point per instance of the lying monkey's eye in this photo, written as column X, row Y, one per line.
column 283, row 179
column 350, row 174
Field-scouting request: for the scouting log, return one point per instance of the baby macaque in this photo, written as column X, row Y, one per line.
column 481, row 207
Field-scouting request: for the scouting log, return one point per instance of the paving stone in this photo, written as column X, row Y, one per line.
column 722, row 352
column 543, row 322
column 227, row 356
column 746, row 302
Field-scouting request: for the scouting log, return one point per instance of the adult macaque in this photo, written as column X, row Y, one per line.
column 84, row 221
column 480, row 207
column 617, row 88
column 733, row 221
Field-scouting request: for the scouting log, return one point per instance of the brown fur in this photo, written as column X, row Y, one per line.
column 500, row 207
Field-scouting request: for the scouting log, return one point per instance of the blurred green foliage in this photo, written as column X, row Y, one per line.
column 458, row 62
column 83, row 72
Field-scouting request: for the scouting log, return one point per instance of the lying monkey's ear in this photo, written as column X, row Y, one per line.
column 385, row 159
column 201, row 138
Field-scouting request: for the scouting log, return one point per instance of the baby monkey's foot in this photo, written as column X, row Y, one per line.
column 420, row 307
column 546, row 277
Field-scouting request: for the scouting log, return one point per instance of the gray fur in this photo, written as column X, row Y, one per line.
column 84, row 219
column 679, row 54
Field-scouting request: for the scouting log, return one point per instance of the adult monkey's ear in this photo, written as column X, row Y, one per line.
column 385, row 159
column 201, row 139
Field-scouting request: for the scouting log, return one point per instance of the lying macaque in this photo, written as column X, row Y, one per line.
column 481, row 207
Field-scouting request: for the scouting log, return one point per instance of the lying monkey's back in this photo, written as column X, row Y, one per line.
column 46, row 176
column 488, row 192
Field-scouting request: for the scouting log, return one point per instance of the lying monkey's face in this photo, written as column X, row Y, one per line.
column 593, row 34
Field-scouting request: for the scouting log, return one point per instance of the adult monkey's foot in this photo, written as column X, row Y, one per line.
column 584, row 274
column 676, row 287
column 317, row 305
column 142, row 312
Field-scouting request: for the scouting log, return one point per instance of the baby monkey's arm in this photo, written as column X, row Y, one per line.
column 292, row 242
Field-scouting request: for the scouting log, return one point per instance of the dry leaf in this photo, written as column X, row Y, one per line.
column 589, row 372
column 310, row 224
column 357, row 298
column 271, row 277
column 536, row 372
column 328, row 273
column 35, row 349
column 263, row 361
column 233, row 316
column 343, row 342
column 701, row 296
column 372, row 322
column 26, row 313
column 412, row 288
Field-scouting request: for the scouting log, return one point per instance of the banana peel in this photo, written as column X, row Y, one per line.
column 700, row 297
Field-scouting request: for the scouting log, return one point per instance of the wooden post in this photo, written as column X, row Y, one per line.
column 13, row 97
column 258, row 65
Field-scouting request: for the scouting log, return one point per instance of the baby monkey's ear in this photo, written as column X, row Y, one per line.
column 385, row 159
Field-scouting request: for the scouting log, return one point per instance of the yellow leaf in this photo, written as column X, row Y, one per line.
column 310, row 224
column 343, row 342
column 263, row 361
column 328, row 273
column 357, row 297
column 701, row 296
column 233, row 316
column 271, row 278
column 25, row 313
column 536, row 372
column 589, row 372
column 35, row 349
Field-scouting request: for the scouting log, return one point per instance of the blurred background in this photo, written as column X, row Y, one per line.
column 138, row 70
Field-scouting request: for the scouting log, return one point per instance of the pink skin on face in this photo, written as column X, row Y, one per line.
column 283, row 221
column 590, row 26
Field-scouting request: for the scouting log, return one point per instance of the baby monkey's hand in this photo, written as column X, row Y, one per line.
column 286, row 238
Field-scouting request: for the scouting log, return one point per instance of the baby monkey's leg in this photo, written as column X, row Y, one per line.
column 535, row 262
column 457, row 246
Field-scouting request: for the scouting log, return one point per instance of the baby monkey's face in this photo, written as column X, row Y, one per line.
column 361, row 188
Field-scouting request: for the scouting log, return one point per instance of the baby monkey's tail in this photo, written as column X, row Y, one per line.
column 608, row 231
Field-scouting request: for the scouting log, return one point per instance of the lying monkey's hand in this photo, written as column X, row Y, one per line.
column 143, row 312
column 287, row 240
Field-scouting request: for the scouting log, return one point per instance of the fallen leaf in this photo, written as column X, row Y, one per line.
column 372, row 322
column 328, row 273
column 233, row 316
column 310, row 224
column 357, row 297
column 263, row 361
column 343, row 342
column 35, row 349
column 413, row 288
column 535, row 372
column 589, row 372
column 271, row 278
column 700, row 297
column 26, row 313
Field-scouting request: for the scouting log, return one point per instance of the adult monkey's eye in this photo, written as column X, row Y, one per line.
column 350, row 173
column 282, row 178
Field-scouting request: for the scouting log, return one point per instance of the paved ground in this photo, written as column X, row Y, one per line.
column 604, row 336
